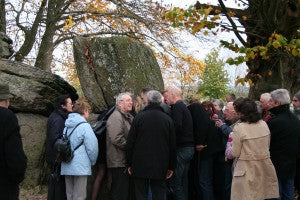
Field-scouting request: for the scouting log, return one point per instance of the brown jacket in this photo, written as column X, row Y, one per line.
column 254, row 176
column 117, row 128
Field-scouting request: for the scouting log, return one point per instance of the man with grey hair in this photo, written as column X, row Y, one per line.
column 117, row 128
column 285, row 132
column 13, row 161
column 184, row 140
column 151, row 149
column 265, row 105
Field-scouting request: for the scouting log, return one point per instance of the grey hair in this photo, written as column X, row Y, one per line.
column 219, row 102
column 154, row 97
column 120, row 96
column 281, row 95
column 266, row 96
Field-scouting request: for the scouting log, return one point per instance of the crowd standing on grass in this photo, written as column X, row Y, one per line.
column 158, row 146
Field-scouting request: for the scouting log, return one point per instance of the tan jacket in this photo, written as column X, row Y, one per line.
column 117, row 128
column 254, row 176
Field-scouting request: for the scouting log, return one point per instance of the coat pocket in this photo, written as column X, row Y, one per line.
column 238, row 173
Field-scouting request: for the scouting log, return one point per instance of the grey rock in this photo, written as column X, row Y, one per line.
column 6, row 49
column 108, row 66
column 33, row 133
column 34, row 89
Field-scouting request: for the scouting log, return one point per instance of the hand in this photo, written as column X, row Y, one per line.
column 219, row 123
column 169, row 174
column 215, row 117
column 200, row 147
column 129, row 169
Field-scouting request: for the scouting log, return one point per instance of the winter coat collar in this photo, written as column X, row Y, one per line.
column 280, row 109
column 63, row 113
column 153, row 106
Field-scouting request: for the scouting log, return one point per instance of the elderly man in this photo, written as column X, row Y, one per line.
column 296, row 104
column 151, row 148
column 118, row 125
column 285, row 131
column 265, row 105
column 13, row 161
column 184, row 139
column 226, row 128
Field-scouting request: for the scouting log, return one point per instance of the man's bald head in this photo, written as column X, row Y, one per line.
column 172, row 94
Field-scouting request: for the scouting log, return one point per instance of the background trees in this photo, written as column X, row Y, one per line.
column 272, row 47
column 214, row 79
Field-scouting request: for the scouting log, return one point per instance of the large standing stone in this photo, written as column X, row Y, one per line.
column 108, row 66
column 34, row 89
column 33, row 132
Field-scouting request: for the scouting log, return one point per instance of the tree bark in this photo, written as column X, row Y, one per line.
column 2, row 17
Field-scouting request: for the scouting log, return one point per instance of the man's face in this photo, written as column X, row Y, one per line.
column 296, row 102
column 144, row 98
column 68, row 105
column 264, row 104
column 168, row 98
column 229, row 112
column 273, row 103
column 126, row 104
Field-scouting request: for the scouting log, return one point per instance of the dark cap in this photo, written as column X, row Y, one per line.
column 4, row 92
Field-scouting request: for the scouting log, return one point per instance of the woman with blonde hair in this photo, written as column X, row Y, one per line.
column 85, row 149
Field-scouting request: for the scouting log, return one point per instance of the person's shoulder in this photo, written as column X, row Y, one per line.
column 7, row 113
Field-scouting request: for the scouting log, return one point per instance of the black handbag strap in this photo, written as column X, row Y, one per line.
column 72, row 133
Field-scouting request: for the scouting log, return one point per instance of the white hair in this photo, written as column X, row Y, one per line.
column 176, row 91
column 154, row 97
column 266, row 96
column 281, row 96
column 120, row 96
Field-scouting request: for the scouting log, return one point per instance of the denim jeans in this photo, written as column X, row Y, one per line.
column 179, row 181
column 212, row 177
column 286, row 189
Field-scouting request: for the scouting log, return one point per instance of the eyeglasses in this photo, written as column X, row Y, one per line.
column 69, row 103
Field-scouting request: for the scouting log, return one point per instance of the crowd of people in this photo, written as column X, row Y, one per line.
column 159, row 146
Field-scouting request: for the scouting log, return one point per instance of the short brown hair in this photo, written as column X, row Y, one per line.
column 80, row 106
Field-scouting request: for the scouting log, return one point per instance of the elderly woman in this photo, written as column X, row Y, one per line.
column 254, row 175
column 85, row 147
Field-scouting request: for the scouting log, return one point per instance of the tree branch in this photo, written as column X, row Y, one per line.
column 18, row 18
column 235, row 30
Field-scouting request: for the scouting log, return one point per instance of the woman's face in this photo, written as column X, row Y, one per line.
column 217, row 107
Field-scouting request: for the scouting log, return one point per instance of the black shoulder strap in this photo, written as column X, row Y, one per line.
column 74, row 129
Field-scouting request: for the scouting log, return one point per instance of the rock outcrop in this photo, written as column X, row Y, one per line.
column 108, row 66
column 34, row 90
column 6, row 49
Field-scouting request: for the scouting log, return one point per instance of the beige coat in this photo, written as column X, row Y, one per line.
column 117, row 128
column 254, row 176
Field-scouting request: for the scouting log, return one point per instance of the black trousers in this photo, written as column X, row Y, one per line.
column 56, row 185
column 9, row 192
column 119, row 184
column 158, row 188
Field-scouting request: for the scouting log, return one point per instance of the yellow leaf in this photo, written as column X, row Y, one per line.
column 276, row 44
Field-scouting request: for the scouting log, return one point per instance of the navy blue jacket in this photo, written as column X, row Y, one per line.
column 55, row 127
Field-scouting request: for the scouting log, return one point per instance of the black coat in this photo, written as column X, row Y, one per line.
column 183, row 125
column 151, row 144
column 205, row 131
column 284, row 145
column 13, row 161
column 55, row 127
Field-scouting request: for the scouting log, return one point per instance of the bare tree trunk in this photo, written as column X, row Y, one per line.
column 2, row 16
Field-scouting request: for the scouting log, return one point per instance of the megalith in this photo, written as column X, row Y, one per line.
column 108, row 66
column 34, row 89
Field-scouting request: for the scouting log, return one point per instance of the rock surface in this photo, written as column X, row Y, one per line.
column 33, row 133
column 6, row 49
column 108, row 66
column 34, row 90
